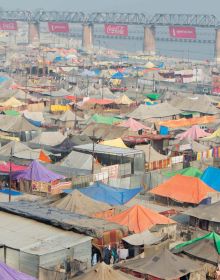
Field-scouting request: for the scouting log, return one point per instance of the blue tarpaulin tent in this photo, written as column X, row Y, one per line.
column 118, row 75
column 108, row 194
column 211, row 177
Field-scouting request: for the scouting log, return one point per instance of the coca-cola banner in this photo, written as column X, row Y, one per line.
column 58, row 27
column 8, row 25
column 116, row 30
column 183, row 32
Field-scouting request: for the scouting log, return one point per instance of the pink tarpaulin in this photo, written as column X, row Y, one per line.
column 5, row 167
column 193, row 133
column 133, row 125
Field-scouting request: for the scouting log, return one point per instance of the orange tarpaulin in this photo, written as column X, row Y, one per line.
column 100, row 101
column 187, row 122
column 43, row 157
column 184, row 189
column 138, row 219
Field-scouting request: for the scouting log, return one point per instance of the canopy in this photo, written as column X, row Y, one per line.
column 194, row 133
column 133, row 125
column 103, row 271
column 108, row 194
column 206, row 247
column 79, row 203
column 183, row 189
column 138, row 219
column 100, row 101
column 211, row 177
column 189, row 171
column 12, row 102
column 142, row 238
column 123, row 100
column 162, row 265
column 8, row 273
column 7, row 166
column 39, row 173
column 114, row 143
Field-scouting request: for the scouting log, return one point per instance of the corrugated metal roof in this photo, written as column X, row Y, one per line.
column 34, row 237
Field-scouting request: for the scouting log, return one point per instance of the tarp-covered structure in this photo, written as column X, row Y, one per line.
column 79, row 203
column 151, row 154
column 12, row 102
column 78, row 160
column 187, row 122
column 206, row 248
column 183, row 189
column 8, row 273
column 142, row 238
column 118, row 142
column 37, row 172
column 47, row 138
column 105, row 119
column 189, row 171
column 162, row 264
column 214, row 137
column 133, row 125
column 16, row 124
column 138, row 219
column 103, row 271
column 162, row 110
column 194, row 133
column 108, row 194
column 123, row 100
column 211, row 177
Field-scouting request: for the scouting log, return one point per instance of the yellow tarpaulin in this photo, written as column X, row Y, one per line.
column 12, row 102
column 9, row 138
column 213, row 135
column 124, row 100
column 59, row 108
column 114, row 143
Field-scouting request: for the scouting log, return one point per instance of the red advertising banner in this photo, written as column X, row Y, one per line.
column 183, row 32
column 116, row 30
column 58, row 27
column 8, row 25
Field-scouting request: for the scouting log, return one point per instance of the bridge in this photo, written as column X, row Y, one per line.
column 182, row 27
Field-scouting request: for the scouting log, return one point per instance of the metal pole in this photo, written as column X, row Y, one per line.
column 10, row 175
column 93, row 149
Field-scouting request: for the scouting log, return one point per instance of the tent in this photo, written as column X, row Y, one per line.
column 36, row 118
column 189, row 171
column 105, row 119
column 8, row 273
column 108, row 194
column 79, row 203
column 123, row 100
column 37, row 172
column 161, row 110
column 133, row 125
column 206, row 247
column 194, row 133
column 142, row 238
column 48, row 138
column 16, row 124
column 117, row 75
column 183, row 189
column 138, row 219
column 161, row 265
column 118, row 142
column 211, row 177
column 103, row 271
column 21, row 151
column 12, row 102
column 151, row 154
column 78, row 160
column 215, row 135
column 69, row 116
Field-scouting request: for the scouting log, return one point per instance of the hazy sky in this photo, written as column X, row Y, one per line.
column 145, row 6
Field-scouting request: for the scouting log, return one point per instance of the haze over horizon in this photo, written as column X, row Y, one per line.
column 144, row 6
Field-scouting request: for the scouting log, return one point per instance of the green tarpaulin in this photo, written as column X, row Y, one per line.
column 105, row 119
column 189, row 171
column 152, row 96
column 210, row 236
column 11, row 113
